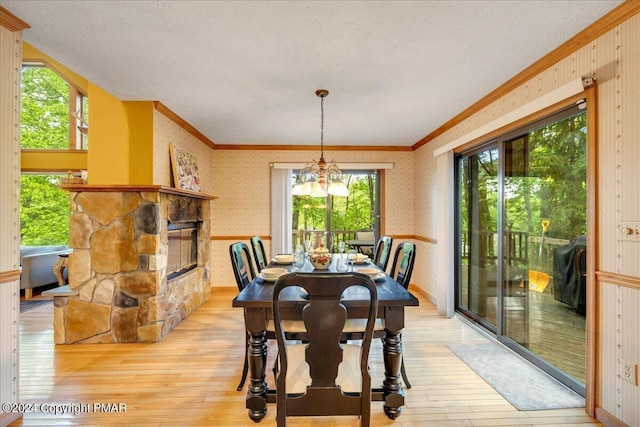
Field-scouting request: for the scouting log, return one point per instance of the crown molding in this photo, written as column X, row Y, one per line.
column 12, row 22
column 618, row 15
column 168, row 113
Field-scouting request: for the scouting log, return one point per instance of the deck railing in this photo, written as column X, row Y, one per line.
column 521, row 249
column 330, row 238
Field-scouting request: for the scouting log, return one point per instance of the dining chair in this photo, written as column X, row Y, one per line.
column 244, row 273
column 401, row 271
column 402, row 266
column 259, row 253
column 322, row 376
column 382, row 252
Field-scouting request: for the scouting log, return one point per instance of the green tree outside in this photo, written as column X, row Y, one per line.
column 347, row 213
column 44, row 121
column 44, row 211
column 554, row 188
column 44, row 208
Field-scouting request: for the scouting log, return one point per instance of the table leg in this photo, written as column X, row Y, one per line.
column 256, row 401
column 392, row 385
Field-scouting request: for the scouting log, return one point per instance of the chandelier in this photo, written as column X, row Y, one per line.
column 317, row 179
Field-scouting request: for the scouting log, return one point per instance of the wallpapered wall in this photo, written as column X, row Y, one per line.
column 166, row 131
column 613, row 60
column 10, row 52
column 242, row 181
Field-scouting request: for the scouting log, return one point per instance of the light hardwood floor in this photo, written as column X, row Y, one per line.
column 189, row 378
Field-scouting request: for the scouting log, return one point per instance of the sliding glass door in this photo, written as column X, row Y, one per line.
column 522, row 245
column 478, row 222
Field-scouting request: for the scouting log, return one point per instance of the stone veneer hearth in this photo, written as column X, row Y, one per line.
column 118, row 287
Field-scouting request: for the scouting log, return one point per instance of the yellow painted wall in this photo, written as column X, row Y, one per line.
column 53, row 160
column 108, row 160
column 139, row 115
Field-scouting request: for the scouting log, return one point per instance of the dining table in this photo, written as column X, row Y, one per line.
column 256, row 301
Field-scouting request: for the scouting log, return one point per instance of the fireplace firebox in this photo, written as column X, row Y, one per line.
column 182, row 248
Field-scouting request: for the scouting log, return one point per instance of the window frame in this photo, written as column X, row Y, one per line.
column 77, row 111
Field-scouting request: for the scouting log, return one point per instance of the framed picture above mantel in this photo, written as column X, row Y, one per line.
column 185, row 169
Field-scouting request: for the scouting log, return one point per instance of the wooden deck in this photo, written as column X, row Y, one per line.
column 189, row 378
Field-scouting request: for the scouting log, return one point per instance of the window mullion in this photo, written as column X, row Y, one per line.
column 73, row 121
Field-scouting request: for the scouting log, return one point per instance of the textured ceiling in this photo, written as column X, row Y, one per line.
column 245, row 72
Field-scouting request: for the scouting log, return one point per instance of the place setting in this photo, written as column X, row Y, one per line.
column 358, row 258
column 374, row 273
column 271, row 274
column 283, row 259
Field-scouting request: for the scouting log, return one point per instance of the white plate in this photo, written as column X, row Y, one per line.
column 374, row 273
column 283, row 259
column 268, row 278
column 272, row 274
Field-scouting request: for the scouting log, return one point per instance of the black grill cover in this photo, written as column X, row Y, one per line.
column 569, row 284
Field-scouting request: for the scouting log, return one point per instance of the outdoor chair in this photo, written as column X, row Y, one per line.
column 365, row 235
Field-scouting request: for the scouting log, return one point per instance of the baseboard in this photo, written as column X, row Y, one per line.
column 607, row 419
column 426, row 295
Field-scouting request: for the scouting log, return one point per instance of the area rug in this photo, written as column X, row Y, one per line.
column 31, row 304
column 525, row 386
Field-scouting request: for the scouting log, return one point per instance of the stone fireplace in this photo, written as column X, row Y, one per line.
column 131, row 277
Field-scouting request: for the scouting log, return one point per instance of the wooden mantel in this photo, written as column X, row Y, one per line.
column 131, row 188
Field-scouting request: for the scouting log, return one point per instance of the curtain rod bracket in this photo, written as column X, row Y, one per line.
column 587, row 82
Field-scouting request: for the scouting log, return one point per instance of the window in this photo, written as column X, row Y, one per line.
column 339, row 218
column 53, row 111
column 44, row 211
column 52, row 118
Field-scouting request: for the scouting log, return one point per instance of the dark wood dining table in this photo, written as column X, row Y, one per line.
column 256, row 300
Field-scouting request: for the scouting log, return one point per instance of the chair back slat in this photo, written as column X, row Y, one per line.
column 324, row 320
column 382, row 253
column 259, row 254
column 403, row 261
column 241, row 264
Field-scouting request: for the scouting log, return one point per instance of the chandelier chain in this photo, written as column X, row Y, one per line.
column 321, row 178
column 322, row 127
